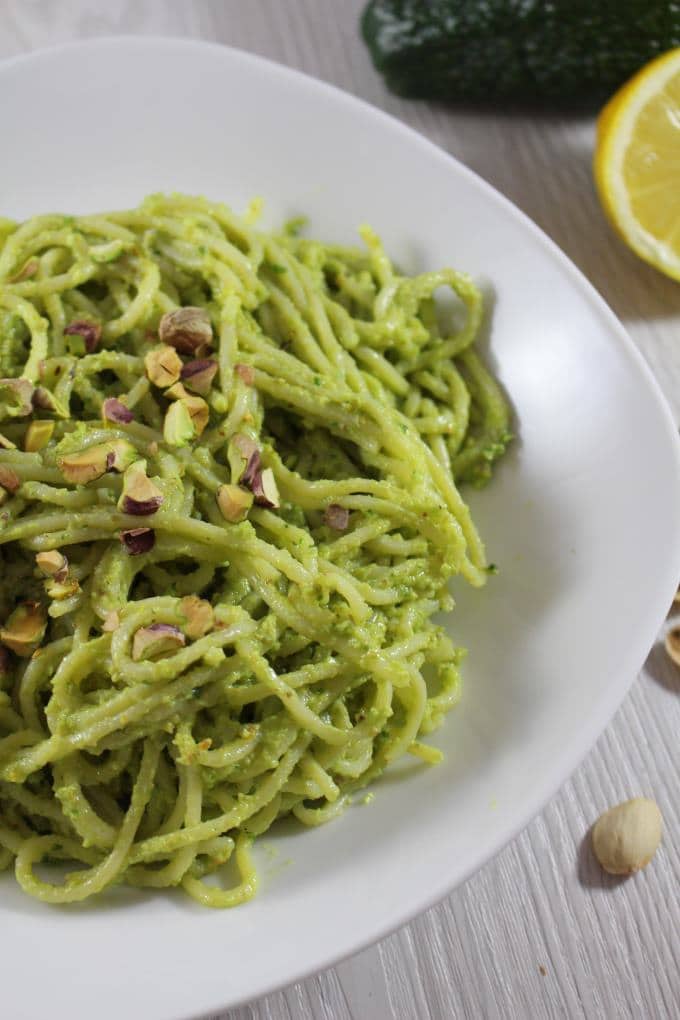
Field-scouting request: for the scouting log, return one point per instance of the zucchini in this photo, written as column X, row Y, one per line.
column 560, row 52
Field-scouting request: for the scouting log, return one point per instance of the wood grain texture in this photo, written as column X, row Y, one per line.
column 540, row 932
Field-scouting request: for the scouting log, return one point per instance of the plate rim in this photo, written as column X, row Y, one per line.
column 553, row 778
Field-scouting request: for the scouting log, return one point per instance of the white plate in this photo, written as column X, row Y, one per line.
column 582, row 517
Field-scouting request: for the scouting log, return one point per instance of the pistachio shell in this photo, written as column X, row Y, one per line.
column 626, row 837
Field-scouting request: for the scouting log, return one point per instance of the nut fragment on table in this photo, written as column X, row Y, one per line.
column 626, row 837
column 672, row 643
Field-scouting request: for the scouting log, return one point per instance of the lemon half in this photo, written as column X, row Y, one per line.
column 637, row 162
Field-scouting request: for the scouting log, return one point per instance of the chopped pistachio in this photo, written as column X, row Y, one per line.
column 158, row 640
column 53, row 564
column 140, row 497
column 9, row 480
column 47, row 401
column 91, row 333
column 25, row 629
column 176, row 392
column 188, row 329
column 199, row 412
column 246, row 373
column 336, row 517
column 115, row 410
column 111, row 622
column 198, row 375
column 81, row 468
column 38, row 435
column 234, row 502
column 265, row 490
column 16, row 398
column 59, row 590
column 138, row 540
column 178, row 427
column 163, row 366
column 199, row 615
column 243, row 455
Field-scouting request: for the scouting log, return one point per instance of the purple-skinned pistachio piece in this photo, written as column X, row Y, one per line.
column 16, row 397
column 24, row 629
column 9, row 480
column 265, row 491
column 156, row 641
column 199, row 374
column 91, row 333
column 52, row 563
column 138, row 540
column 90, row 464
column 336, row 517
column 245, row 372
column 234, row 502
column 140, row 497
column 243, row 455
column 115, row 410
column 187, row 329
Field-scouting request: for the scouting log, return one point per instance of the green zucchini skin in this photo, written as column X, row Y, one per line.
column 557, row 52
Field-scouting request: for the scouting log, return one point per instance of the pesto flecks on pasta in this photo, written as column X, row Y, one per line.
column 228, row 474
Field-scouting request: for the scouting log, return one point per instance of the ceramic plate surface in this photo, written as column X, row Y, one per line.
column 582, row 517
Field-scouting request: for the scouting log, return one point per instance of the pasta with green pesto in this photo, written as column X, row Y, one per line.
column 229, row 471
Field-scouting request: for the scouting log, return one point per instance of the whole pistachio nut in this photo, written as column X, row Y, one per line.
column 187, row 329
column 24, row 629
column 163, row 366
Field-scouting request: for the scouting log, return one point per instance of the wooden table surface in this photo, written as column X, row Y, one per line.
column 539, row 932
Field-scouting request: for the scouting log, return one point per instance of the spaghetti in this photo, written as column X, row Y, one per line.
column 228, row 475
